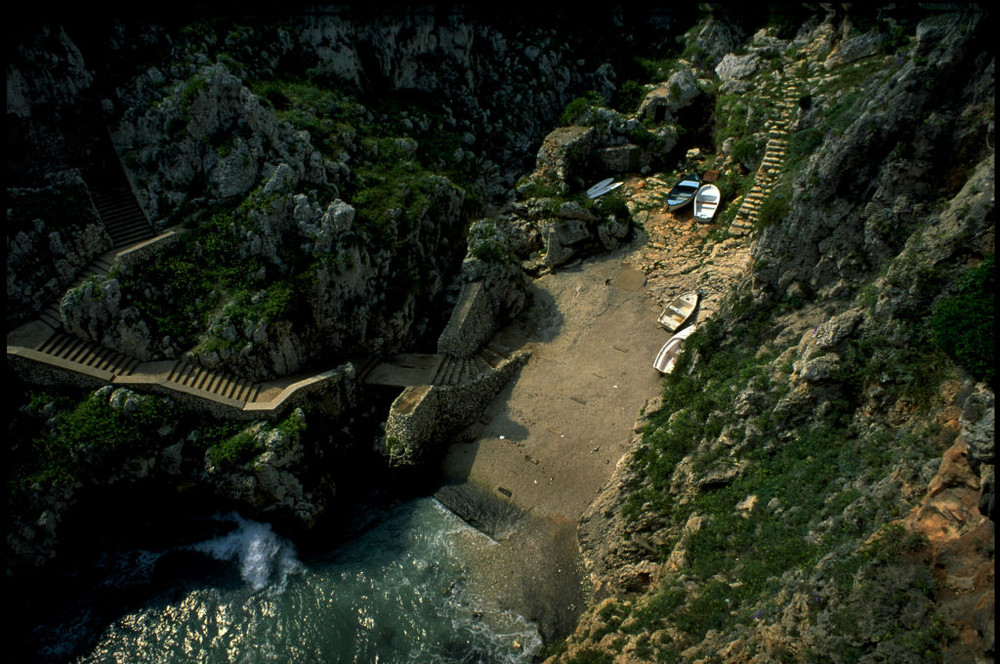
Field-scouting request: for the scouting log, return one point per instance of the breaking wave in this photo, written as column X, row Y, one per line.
column 264, row 559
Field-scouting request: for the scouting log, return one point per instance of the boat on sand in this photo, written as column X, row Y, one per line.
column 667, row 357
column 678, row 311
column 706, row 202
column 683, row 192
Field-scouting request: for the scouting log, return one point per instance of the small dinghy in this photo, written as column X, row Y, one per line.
column 706, row 202
column 667, row 357
column 603, row 187
column 683, row 192
column 678, row 311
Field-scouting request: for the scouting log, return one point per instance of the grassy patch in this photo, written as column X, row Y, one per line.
column 83, row 439
column 962, row 324
column 807, row 480
column 775, row 207
column 177, row 290
column 228, row 445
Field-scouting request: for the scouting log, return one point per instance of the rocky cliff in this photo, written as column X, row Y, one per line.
column 817, row 481
column 319, row 173
column 810, row 486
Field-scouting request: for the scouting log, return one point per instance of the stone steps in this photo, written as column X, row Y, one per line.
column 69, row 349
column 122, row 217
column 787, row 93
column 213, row 383
column 457, row 370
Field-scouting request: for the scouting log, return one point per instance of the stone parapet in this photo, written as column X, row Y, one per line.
column 472, row 322
column 425, row 416
column 139, row 252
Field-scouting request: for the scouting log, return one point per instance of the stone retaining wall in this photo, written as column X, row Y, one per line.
column 472, row 323
column 35, row 368
column 424, row 417
column 139, row 252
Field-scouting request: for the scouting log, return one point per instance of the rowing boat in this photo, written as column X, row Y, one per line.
column 679, row 311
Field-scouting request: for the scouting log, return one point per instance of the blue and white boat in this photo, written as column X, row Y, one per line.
column 683, row 192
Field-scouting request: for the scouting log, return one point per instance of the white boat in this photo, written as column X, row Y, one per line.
column 667, row 357
column 683, row 192
column 603, row 187
column 706, row 202
column 678, row 311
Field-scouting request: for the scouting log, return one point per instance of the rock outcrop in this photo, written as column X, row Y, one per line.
column 819, row 476
column 54, row 234
column 876, row 227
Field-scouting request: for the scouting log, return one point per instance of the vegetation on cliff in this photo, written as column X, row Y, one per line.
column 773, row 502
column 771, row 510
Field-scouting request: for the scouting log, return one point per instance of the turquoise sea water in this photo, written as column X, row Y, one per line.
column 399, row 592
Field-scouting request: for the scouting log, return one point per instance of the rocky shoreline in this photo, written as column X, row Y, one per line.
column 824, row 450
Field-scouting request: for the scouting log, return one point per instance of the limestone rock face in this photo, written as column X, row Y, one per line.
column 37, row 84
column 271, row 483
column 560, row 154
column 735, row 69
column 94, row 311
column 873, row 235
column 839, row 235
column 211, row 124
column 979, row 434
column 49, row 246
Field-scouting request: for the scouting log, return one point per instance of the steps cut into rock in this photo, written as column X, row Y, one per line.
column 124, row 220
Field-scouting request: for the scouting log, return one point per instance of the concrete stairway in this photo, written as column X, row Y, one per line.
column 124, row 220
column 771, row 164
column 458, row 370
column 37, row 341
column 211, row 384
column 73, row 352
column 45, row 342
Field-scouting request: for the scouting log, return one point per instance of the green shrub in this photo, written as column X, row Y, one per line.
column 614, row 205
column 192, row 88
column 234, row 450
column 746, row 150
column 961, row 325
column 88, row 437
column 628, row 97
column 577, row 109
column 229, row 445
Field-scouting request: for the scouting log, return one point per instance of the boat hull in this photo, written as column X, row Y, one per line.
column 678, row 312
column 706, row 202
column 683, row 192
column 667, row 357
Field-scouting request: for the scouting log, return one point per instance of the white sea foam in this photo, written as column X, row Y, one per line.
column 264, row 559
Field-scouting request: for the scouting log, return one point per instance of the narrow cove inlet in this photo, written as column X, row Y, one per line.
column 415, row 581
column 359, row 336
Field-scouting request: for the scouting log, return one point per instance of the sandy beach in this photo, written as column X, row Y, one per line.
column 547, row 445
